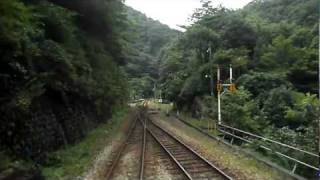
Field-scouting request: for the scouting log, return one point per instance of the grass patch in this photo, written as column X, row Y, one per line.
column 73, row 160
column 206, row 124
column 160, row 106
column 6, row 161
column 9, row 163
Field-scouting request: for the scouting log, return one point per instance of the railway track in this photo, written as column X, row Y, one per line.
column 158, row 164
column 134, row 144
column 153, row 145
column 193, row 165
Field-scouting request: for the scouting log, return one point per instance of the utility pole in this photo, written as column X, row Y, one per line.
column 154, row 92
column 160, row 97
column 230, row 73
column 211, row 73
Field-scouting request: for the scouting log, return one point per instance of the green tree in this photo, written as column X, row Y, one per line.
column 240, row 111
column 201, row 39
column 261, row 83
column 276, row 105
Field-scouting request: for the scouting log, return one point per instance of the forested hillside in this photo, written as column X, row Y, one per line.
column 273, row 48
column 145, row 38
column 59, row 72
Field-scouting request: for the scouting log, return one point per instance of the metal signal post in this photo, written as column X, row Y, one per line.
column 220, row 87
column 219, row 91
column 211, row 75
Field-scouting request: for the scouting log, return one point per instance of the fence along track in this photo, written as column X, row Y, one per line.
column 193, row 165
column 250, row 137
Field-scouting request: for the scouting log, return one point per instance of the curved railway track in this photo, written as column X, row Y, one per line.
column 179, row 159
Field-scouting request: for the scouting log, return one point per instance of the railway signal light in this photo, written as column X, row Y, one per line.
column 219, row 87
column 232, row 88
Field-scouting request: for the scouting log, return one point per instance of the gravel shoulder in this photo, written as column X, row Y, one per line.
column 236, row 164
column 112, row 143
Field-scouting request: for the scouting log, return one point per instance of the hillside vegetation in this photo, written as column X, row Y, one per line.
column 273, row 48
column 59, row 72
column 146, row 37
column 66, row 66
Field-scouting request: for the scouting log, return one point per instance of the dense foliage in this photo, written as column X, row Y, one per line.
column 59, row 71
column 273, row 48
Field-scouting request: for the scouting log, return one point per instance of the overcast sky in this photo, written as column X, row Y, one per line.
column 176, row 12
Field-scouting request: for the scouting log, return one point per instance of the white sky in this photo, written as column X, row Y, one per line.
column 176, row 12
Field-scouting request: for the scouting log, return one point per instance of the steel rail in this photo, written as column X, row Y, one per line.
column 193, row 152
column 170, row 155
column 143, row 150
column 122, row 148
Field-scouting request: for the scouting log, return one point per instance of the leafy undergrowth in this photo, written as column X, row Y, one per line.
column 206, row 124
column 9, row 162
column 13, row 167
column 164, row 107
column 5, row 161
column 74, row 160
